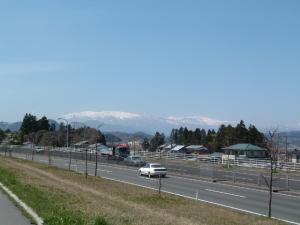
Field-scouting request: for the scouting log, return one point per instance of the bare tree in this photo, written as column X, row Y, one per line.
column 273, row 147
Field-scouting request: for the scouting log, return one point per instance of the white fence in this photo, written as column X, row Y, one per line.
column 240, row 162
column 243, row 162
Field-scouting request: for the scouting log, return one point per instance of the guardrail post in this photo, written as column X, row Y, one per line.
column 32, row 155
column 86, row 166
column 96, row 167
column 159, row 185
column 49, row 156
column 70, row 158
column 287, row 182
column 259, row 179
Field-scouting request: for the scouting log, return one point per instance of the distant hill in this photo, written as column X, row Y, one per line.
column 125, row 137
column 11, row 126
column 17, row 125
column 293, row 138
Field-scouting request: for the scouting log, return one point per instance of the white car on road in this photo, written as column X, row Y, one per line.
column 153, row 169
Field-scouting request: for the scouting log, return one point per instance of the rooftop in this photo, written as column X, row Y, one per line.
column 196, row 147
column 178, row 147
column 244, row 147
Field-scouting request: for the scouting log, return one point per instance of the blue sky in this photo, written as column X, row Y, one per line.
column 227, row 60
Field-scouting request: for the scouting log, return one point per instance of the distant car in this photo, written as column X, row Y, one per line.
column 153, row 169
column 215, row 157
column 38, row 148
column 191, row 158
column 134, row 161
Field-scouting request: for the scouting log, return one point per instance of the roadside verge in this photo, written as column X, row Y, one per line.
column 27, row 209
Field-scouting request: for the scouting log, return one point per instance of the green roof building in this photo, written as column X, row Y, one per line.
column 246, row 150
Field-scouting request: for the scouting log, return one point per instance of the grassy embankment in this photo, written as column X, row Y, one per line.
column 61, row 197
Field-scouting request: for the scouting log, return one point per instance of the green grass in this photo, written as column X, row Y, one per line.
column 47, row 204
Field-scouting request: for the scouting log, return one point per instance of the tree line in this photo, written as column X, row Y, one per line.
column 225, row 136
column 42, row 132
column 2, row 135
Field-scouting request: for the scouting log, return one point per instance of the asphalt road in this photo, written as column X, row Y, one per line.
column 282, row 181
column 285, row 207
column 9, row 213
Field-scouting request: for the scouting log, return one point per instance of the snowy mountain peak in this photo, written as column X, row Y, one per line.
column 195, row 120
column 101, row 115
column 131, row 122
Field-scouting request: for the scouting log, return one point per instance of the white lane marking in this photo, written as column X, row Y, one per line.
column 181, row 170
column 119, row 167
column 147, row 178
column 290, row 179
column 234, row 186
column 107, row 171
column 28, row 210
column 44, row 161
column 225, row 193
column 202, row 200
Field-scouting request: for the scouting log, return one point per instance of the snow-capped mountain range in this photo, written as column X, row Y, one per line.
column 132, row 122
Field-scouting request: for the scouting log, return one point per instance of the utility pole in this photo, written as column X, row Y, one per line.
column 70, row 158
column 271, row 189
column 286, row 148
column 134, row 145
column 96, row 166
column 96, row 154
column 86, row 167
column 272, row 134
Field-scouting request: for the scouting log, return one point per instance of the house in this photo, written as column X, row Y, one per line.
column 178, row 149
column 245, row 150
column 165, row 148
column 81, row 144
column 295, row 156
column 197, row 149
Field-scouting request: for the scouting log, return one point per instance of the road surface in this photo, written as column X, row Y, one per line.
column 9, row 213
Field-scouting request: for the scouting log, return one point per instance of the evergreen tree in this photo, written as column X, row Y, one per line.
column 29, row 124
column 241, row 133
column 43, row 124
column 174, row 136
column 146, row 144
column 255, row 137
column 156, row 141
column 197, row 137
column 211, row 139
column 203, row 136
column 2, row 135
